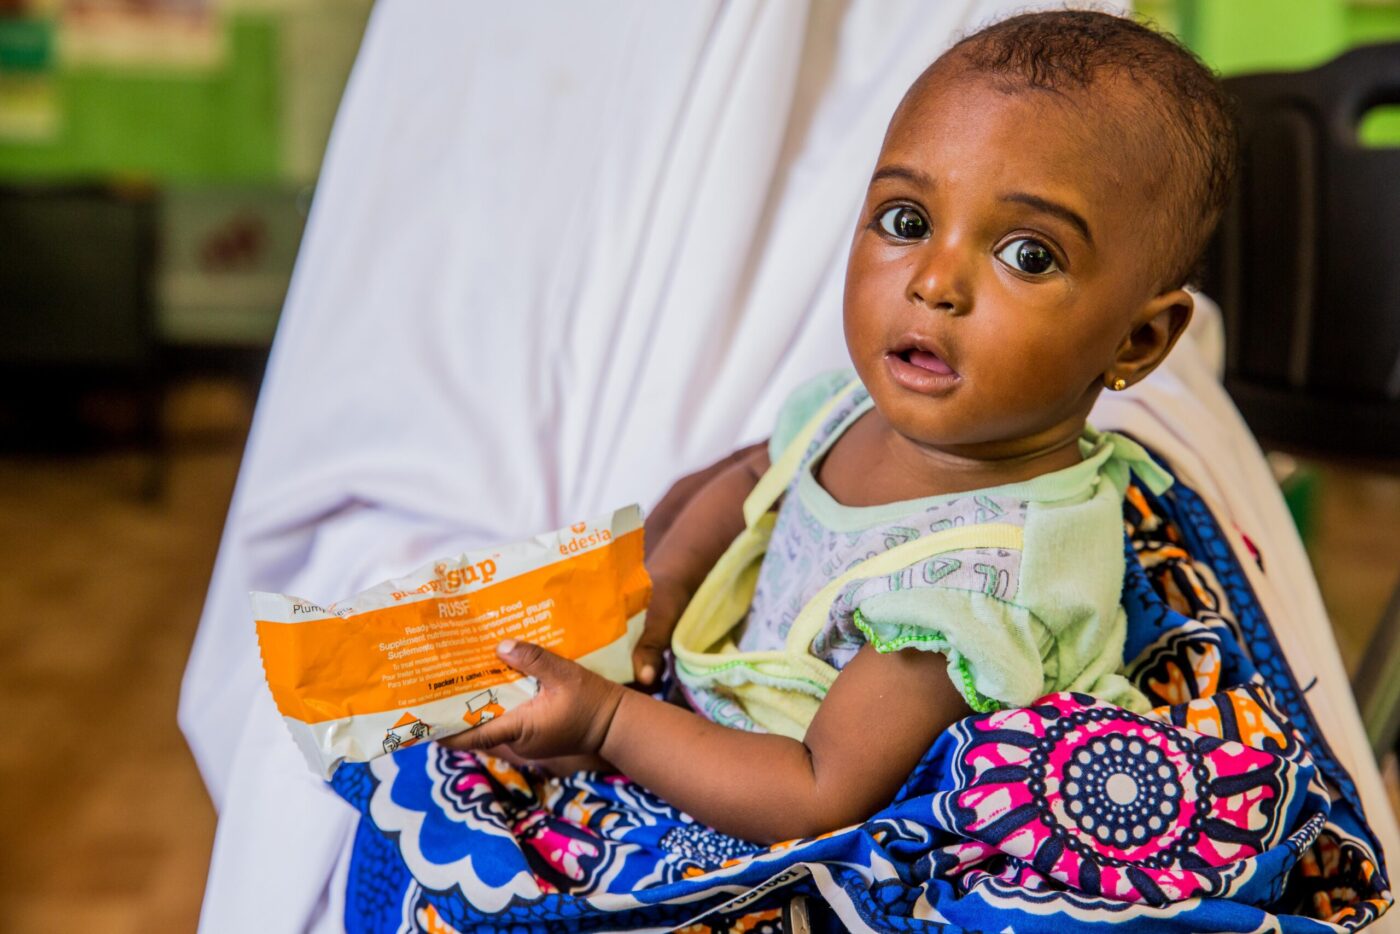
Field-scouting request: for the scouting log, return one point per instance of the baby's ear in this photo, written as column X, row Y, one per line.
column 1153, row 332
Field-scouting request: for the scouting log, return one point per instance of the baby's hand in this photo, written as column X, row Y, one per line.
column 570, row 715
column 668, row 600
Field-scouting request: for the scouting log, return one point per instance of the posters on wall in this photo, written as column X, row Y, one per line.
column 144, row 34
column 40, row 38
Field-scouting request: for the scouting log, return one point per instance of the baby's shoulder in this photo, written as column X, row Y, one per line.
column 803, row 403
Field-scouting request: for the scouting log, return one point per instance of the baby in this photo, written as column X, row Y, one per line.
column 948, row 536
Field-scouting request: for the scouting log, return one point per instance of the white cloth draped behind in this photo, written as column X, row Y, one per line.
column 560, row 255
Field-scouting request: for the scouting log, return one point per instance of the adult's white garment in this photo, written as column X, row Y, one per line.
column 559, row 256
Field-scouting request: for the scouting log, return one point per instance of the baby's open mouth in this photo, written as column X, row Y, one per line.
column 916, row 364
column 926, row 360
column 921, row 353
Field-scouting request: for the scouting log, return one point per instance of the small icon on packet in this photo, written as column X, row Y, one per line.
column 482, row 708
column 407, row 731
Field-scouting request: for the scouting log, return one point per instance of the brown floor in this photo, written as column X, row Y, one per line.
column 104, row 823
column 1355, row 550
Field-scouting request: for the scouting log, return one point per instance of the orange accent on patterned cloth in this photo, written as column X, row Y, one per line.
column 432, row 922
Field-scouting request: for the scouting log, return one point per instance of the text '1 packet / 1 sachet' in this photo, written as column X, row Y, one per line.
column 414, row 659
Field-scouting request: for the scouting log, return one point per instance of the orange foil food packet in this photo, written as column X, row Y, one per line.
column 414, row 659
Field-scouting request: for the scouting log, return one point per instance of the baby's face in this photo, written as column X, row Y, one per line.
column 1003, row 255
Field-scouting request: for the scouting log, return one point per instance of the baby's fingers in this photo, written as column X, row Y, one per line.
column 648, row 657
column 647, row 661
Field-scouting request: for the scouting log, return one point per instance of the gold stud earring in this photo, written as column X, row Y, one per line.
column 1119, row 385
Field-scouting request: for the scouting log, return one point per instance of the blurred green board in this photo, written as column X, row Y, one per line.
column 187, row 126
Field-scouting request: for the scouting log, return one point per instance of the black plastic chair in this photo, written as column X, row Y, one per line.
column 1306, row 268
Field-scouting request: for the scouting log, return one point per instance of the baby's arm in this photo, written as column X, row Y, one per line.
column 691, row 539
column 878, row 719
column 663, row 515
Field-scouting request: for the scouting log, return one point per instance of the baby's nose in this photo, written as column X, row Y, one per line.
column 939, row 282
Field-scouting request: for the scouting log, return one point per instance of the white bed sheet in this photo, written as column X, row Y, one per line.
column 558, row 256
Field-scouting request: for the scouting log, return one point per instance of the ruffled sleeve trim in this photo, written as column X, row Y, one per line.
column 994, row 648
column 933, row 641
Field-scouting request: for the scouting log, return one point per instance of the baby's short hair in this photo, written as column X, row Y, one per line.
column 1068, row 50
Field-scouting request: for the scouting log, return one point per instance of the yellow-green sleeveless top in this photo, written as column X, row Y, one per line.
column 1019, row 585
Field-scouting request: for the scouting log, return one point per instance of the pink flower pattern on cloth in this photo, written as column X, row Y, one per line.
column 1112, row 803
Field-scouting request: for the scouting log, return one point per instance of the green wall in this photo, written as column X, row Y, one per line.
column 1241, row 36
column 224, row 124
column 1238, row 36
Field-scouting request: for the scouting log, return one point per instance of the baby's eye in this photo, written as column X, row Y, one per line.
column 904, row 223
column 1029, row 256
